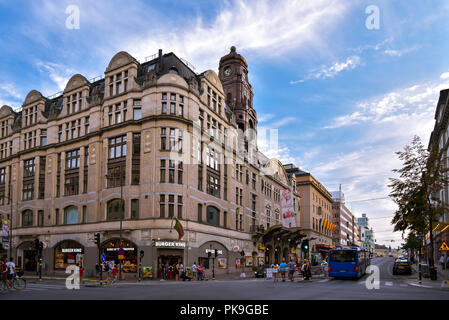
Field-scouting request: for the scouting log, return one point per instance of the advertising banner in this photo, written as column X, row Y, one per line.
column 288, row 213
column 147, row 272
column 222, row 263
column 249, row 261
column 5, row 231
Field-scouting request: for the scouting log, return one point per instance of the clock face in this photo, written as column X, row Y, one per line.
column 227, row 71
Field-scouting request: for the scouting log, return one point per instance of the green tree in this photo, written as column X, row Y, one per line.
column 421, row 178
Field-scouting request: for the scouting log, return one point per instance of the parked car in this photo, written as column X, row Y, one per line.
column 260, row 272
column 401, row 266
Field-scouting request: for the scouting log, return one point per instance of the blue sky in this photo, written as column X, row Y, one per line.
column 344, row 98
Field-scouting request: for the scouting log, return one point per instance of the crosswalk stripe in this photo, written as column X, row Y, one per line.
column 388, row 283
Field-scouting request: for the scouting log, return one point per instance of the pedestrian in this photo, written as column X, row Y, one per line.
column 81, row 274
column 324, row 267
column 114, row 273
column 11, row 270
column 308, row 270
column 177, row 271
column 181, row 272
column 97, row 271
column 275, row 272
column 200, row 271
column 291, row 270
column 442, row 261
column 3, row 270
column 283, row 268
column 194, row 271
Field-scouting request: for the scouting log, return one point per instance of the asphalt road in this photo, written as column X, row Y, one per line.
column 320, row 288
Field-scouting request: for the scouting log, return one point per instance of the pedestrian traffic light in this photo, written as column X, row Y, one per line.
column 216, row 253
column 97, row 239
column 141, row 253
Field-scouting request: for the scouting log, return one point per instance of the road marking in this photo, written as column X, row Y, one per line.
column 419, row 285
column 388, row 283
column 325, row 280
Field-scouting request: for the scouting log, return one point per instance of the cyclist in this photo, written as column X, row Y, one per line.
column 11, row 271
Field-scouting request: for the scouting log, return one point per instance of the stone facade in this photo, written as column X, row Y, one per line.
column 160, row 137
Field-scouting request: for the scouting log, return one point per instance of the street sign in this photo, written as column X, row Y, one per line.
column 443, row 247
column 44, row 245
column 103, row 257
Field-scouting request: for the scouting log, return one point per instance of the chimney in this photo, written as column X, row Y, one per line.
column 159, row 62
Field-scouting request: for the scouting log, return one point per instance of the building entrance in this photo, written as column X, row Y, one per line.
column 166, row 266
column 29, row 260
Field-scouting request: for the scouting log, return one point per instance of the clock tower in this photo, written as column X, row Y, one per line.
column 233, row 73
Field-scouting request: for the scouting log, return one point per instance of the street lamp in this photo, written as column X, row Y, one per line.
column 110, row 176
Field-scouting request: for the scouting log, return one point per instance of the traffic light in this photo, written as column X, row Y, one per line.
column 41, row 246
column 97, row 239
column 36, row 244
column 141, row 254
column 305, row 246
column 208, row 254
column 216, row 253
column 242, row 253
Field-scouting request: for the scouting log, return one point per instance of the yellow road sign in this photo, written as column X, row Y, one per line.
column 443, row 247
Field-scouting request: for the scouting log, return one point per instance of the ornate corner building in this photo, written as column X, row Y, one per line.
column 126, row 154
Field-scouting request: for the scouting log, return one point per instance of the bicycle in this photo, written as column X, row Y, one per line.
column 19, row 283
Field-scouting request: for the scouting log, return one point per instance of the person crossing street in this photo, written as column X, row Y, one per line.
column 291, row 270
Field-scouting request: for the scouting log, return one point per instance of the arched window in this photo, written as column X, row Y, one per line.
column 173, row 70
column 71, row 215
column 27, row 218
column 115, row 211
column 213, row 216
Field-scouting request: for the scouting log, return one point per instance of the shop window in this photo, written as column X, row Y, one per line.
column 71, row 215
column 115, row 209
column 213, row 216
column 68, row 253
column 111, row 247
column 27, row 218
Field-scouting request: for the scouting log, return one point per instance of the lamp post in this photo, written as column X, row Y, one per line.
column 109, row 176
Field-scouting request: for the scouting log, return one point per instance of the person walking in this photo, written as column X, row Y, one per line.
column 176, row 267
column 283, row 268
column 275, row 272
column 194, row 271
column 182, row 272
column 81, row 274
column 3, row 271
column 291, row 270
column 114, row 273
column 200, row 271
column 442, row 261
column 11, row 271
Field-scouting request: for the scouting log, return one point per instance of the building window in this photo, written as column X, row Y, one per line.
column 57, row 216
column 115, row 209
column 28, row 168
column 71, row 215
column 72, row 159
column 213, row 216
column 28, row 191
column 200, row 212
column 27, row 218
column 134, row 208
column 163, row 139
column 43, row 137
column 137, row 113
column 40, row 218
column 180, row 207
column 212, row 158
column 84, row 214
column 117, row 147
column 162, row 171
column 71, row 185
column 86, row 125
column 213, row 185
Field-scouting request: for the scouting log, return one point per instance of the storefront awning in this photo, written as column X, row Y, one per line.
column 279, row 231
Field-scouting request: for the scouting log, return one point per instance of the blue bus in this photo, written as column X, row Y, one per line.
column 348, row 262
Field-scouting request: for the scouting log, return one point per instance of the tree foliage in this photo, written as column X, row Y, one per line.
column 422, row 176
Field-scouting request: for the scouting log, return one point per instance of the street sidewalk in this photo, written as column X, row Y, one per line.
column 442, row 277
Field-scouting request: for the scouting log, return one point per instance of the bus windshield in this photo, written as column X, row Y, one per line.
column 342, row 256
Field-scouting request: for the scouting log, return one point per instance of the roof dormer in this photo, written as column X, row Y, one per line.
column 120, row 74
column 32, row 108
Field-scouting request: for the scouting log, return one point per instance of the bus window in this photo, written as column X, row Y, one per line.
column 342, row 256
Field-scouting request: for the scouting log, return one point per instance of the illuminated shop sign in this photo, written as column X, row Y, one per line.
column 116, row 249
column 71, row 250
column 175, row 244
column 213, row 251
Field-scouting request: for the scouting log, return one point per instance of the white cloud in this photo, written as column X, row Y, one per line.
column 400, row 52
column 444, row 75
column 262, row 27
column 59, row 74
column 330, row 72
